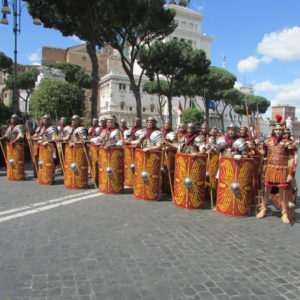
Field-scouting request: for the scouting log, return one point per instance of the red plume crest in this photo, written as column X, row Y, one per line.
column 278, row 118
column 284, row 123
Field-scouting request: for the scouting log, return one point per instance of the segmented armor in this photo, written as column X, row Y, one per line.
column 154, row 139
column 15, row 133
column 80, row 133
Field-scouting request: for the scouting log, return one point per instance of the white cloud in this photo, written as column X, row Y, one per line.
column 249, row 64
column 265, row 86
column 76, row 39
column 36, row 64
column 238, row 85
column 284, row 45
column 35, row 56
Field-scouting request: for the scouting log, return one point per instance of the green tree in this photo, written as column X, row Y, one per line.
column 57, row 98
column 170, row 62
column 81, row 18
column 5, row 112
column 193, row 115
column 5, row 62
column 211, row 86
column 73, row 74
column 25, row 82
column 134, row 24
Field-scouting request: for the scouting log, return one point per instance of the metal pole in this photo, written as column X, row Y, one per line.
column 15, row 30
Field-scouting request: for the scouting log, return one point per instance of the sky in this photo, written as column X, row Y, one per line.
column 260, row 39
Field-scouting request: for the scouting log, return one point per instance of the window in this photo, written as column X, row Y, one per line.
column 130, row 88
column 152, row 108
column 122, row 105
column 130, row 108
column 83, row 58
column 122, row 86
column 144, row 109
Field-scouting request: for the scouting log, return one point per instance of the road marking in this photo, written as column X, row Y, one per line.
column 61, row 201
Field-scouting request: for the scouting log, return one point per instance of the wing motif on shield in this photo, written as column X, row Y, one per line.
column 226, row 196
column 116, row 162
column 197, row 191
column 138, row 168
column 68, row 161
column 180, row 189
column 245, row 179
column 153, row 168
column 103, row 163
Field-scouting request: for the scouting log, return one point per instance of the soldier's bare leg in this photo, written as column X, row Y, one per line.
column 264, row 203
column 284, row 218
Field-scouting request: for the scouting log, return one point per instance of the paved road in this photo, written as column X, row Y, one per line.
column 61, row 244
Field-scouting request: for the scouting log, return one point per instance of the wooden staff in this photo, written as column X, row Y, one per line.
column 28, row 137
column 3, row 152
column 250, row 140
column 90, row 166
column 257, row 137
column 168, row 167
column 60, row 154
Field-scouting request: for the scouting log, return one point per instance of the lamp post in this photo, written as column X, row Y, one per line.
column 16, row 9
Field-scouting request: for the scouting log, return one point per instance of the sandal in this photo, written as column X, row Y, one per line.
column 285, row 219
column 262, row 213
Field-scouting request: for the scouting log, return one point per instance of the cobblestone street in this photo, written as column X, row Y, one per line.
column 62, row 244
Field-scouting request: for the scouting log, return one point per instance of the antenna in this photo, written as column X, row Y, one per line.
column 224, row 61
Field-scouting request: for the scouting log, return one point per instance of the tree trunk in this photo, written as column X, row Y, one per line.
column 91, row 50
column 206, row 112
column 170, row 111
column 137, row 95
column 160, row 103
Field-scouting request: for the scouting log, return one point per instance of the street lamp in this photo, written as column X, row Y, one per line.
column 16, row 9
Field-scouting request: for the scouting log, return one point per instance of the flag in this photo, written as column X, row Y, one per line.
column 180, row 108
column 193, row 104
column 212, row 105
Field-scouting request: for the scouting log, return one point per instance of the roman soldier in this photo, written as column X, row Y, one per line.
column 204, row 130
column 192, row 143
column 16, row 131
column 102, row 124
column 244, row 133
column 279, row 168
column 135, row 132
column 14, row 136
column 152, row 137
column 63, row 128
column 166, row 128
column 181, row 131
column 94, row 130
column 112, row 134
column 123, row 125
column 36, row 134
column 76, row 134
column 214, row 132
column 47, row 152
column 225, row 143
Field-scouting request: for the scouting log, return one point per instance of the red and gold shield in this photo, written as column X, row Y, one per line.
column 168, row 160
column 128, row 161
column 147, row 178
column 15, row 162
column 212, row 167
column 36, row 149
column 235, row 188
column 189, row 184
column 94, row 155
column 111, row 170
column 76, row 170
column 45, row 164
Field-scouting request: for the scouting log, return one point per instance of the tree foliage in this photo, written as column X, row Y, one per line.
column 81, row 18
column 73, row 74
column 5, row 62
column 193, row 115
column 132, row 24
column 170, row 62
column 5, row 112
column 25, row 82
column 57, row 98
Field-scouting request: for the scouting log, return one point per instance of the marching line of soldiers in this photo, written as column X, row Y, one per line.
column 231, row 170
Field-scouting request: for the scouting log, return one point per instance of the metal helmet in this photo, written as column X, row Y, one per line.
column 191, row 125
column 63, row 119
column 182, row 126
column 244, row 127
column 14, row 116
column 204, row 125
column 95, row 120
column 152, row 119
column 137, row 119
column 123, row 122
column 167, row 121
column 76, row 118
column 46, row 117
column 231, row 126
